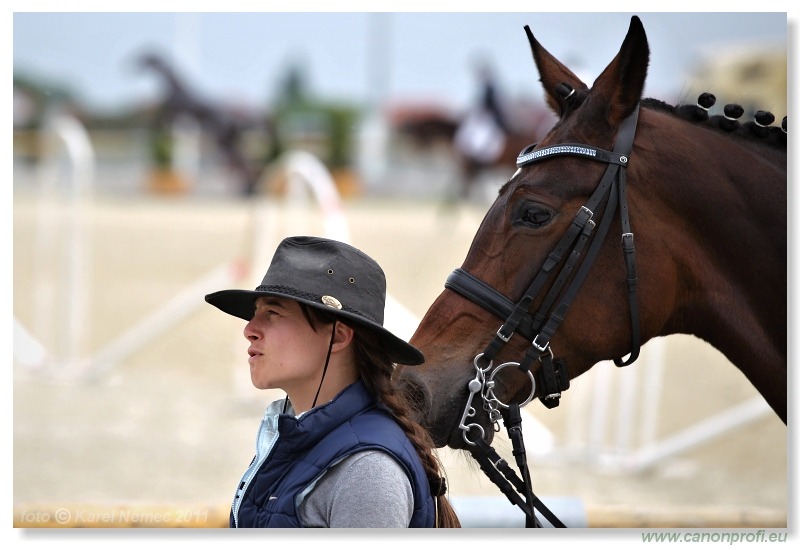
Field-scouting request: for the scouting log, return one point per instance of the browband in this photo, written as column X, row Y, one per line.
column 530, row 155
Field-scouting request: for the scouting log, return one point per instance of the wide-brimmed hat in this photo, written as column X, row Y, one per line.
column 328, row 275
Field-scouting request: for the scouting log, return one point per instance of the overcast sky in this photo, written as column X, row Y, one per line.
column 233, row 57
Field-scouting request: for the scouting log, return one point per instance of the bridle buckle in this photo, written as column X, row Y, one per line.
column 539, row 347
column 502, row 336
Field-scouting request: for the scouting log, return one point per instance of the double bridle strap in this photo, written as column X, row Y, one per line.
column 575, row 253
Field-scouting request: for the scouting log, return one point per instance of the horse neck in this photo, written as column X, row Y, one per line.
column 723, row 219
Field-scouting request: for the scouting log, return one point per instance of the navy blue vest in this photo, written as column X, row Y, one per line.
column 308, row 446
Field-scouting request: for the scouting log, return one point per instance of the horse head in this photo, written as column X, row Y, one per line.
column 596, row 297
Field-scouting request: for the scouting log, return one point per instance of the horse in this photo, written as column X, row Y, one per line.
column 226, row 128
column 630, row 219
column 428, row 128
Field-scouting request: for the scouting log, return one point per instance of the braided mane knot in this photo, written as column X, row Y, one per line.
column 760, row 126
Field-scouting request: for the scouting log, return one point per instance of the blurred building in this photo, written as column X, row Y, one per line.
column 752, row 75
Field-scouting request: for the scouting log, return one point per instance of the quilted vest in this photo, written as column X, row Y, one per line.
column 307, row 446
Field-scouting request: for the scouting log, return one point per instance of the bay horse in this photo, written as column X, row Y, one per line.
column 706, row 200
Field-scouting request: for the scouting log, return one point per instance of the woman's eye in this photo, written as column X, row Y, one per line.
column 265, row 312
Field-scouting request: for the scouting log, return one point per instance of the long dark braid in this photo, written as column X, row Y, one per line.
column 376, row 371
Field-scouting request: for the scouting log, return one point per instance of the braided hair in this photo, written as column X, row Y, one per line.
column 375, row 370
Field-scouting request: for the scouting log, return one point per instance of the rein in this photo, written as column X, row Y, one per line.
column 577, row 250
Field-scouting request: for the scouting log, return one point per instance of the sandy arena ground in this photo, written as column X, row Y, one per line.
column 171, row 420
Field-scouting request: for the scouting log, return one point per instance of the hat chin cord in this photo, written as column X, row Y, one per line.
column 327, row 360
column 324, row 370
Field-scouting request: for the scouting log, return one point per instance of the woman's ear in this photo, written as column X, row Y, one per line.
column 343, row 337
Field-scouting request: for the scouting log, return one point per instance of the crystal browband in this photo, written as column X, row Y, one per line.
column 556, row 150
column 528, row 155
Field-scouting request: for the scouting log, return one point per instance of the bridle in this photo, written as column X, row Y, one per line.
column 575, row 253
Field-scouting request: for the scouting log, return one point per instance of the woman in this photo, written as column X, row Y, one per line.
column 341, row 450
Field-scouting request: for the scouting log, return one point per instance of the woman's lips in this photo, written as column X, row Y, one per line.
column 254, row 354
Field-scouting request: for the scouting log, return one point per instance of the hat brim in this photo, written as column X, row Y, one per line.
column 241, row 303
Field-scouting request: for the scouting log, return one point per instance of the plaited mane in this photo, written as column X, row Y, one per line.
column 759, row 129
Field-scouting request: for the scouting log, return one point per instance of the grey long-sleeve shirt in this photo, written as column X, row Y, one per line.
column 367, row 489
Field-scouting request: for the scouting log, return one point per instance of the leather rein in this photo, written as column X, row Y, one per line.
column 575, row 253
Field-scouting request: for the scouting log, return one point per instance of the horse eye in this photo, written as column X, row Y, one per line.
column 537, row 216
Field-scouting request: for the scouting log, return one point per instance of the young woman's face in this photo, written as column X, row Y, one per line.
column 285, row 351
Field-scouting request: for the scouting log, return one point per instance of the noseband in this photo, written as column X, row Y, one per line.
column 576, row 252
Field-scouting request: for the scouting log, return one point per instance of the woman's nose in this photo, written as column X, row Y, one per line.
column 251, row 331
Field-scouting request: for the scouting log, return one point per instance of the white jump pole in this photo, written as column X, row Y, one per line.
column 637, row 452
column 598, row 419
column 62, row 235
column 654, row 378
column 28, row 351
column 304, row 173
column 158, row 322
column 626, row 410
column 701, row 433
column 305, row 168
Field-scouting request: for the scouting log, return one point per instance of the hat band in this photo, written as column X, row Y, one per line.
column 313, row 298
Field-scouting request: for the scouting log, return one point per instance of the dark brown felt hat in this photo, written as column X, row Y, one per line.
column 327, row 275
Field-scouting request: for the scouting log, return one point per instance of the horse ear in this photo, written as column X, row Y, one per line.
column 552, row 74
column 622, row 82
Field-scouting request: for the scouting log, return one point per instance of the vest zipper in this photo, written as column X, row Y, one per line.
column 251, row 471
